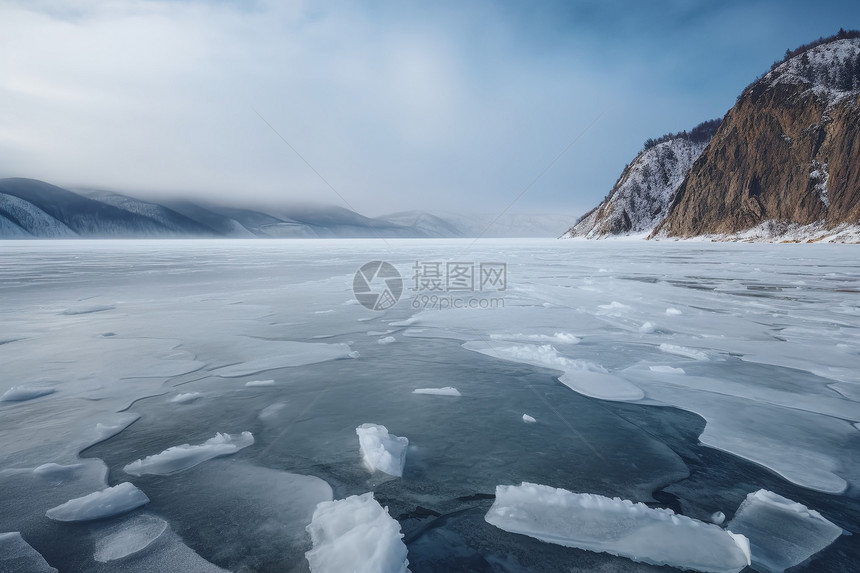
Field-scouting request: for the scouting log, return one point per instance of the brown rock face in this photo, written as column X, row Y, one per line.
column 787, row 151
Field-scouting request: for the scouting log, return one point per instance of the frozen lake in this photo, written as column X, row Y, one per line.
column 682, row 375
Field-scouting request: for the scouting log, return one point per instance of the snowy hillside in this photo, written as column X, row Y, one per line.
column 642, row 195
column 22, row 219
column 831, row 70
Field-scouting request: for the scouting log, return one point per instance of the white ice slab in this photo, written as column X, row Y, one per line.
column 356, row 534
column 782, row 533
column 180, row 458
column 380, row 450
column 619, row 527
column 446, row 391
column 115, row 500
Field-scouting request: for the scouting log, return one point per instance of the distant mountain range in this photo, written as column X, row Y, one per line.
column 783, row 165
column 34, row 209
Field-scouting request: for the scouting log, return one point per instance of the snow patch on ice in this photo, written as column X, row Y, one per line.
column 380, row 450
column 186, row 397
column 109, row 502
column 618, row 527
column 446, row 391
column 23, row 393
column 781, row 532
column 180, row 458
column 387, row 340
column 683, row 351
column 356, row 534
column 663, row 369
column 271, row 411
column 128, row 537
column 582, row 376
column 259, row 383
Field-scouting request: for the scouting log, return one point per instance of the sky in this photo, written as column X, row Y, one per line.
column 379, row 106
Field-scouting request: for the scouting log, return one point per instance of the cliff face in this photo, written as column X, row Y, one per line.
column 787, row 152
column 641, row 197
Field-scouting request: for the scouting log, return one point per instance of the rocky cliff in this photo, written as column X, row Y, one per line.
column 641, row 197
column 786, row 155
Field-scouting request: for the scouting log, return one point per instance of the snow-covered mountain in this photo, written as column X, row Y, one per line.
column 642, row 195
column 35, row 209
column 786, row 157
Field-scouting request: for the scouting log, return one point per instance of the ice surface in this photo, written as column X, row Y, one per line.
column 380, row 450
column 285, row 354
column 528, row 419
column 128, row 537
column 179, row 458
column 22, row 393
column 186, row 397
column 16, row 556
column 115, row 500
column 356, row 534
column 259, row 383
column 446, row 391
column 781, row 532
column 619, row 527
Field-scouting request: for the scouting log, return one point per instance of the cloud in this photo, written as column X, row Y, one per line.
column 446, row 106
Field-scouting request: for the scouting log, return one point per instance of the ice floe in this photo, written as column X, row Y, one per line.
column 259, row 383
column 356, row 534
column 619, row 527
column 782, row 533
column 446, row 391
column 380, row 450
column 528, row 419
column 179, row 458
column 115, row 500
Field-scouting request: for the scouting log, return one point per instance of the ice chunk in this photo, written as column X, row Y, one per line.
column 386, row 340
column 718, row 517
column 782, row 533
column 528, row 419
column 673, row 312
column 17, row 555
column 683, row 351
column 661, row 369
column 186, row 397
column 22, row 393
column 354, row 354
column 380, row 450
column 619, row 527
column 647, row 328
column 180, row 458
column 356, row 534
column 446, row 391
column 259, row 383
column 112, row 501
column 130, row 536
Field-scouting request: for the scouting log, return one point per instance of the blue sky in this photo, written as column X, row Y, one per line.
column 439, row 106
